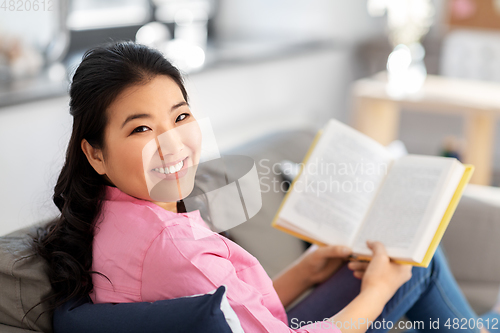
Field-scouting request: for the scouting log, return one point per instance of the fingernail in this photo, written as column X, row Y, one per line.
column 346, row 250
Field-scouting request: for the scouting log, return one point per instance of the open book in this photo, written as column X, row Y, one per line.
column 351, row 189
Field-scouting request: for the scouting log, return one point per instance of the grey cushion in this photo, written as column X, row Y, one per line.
column 472, row 247
column 471, row 240
column 24, row 283
column 274, row 249
column 12, row 329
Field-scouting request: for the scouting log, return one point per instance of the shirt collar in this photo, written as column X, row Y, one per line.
column 115, row 194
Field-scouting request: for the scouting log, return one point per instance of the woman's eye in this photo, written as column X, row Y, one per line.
column 140, row 129
column 182, row 116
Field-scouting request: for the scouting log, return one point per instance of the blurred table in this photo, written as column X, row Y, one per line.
column 377, row 114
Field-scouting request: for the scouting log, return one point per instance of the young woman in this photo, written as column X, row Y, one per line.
column 117, row 242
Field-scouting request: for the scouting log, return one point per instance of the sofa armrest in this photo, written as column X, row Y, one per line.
column 472, row 245
column 471, row 241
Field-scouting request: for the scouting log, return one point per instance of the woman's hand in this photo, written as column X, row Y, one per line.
column 319, row 262
column 314, row 266
column 380, row 275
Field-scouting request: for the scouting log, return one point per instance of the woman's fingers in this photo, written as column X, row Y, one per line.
column 335, row 251
column 377, row 247
column 312, row 248
column 358, row 274
column 358, row 268
column 357, row 265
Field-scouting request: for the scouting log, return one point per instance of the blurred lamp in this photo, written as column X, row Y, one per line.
column 184, row 55
column 406, row 70
column 152, row 34
column 407, row 22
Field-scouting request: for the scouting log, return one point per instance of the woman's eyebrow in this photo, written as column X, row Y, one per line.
column 147, row 115
column 136, row 116
column 178, row 105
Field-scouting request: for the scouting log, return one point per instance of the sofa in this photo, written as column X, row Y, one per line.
column 470, row 243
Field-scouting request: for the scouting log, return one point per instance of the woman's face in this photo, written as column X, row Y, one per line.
column 152, row 139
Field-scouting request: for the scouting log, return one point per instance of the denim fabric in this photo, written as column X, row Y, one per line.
column 431, row 301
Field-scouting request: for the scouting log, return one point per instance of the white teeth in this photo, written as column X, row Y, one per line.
column 171, row 169
column 177, row 167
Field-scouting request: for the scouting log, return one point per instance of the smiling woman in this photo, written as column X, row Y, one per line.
column 97, row 146
column 160, row 142
column 123, row 238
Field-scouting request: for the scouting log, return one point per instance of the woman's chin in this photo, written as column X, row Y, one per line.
column 169, row 190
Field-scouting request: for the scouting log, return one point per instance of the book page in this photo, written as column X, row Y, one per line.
column 408, row 203
column 337, row 185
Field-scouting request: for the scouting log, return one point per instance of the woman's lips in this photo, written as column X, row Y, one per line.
column 171, row 176
column 170, row 164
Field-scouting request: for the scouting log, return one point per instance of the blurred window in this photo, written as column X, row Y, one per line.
column 97, row 14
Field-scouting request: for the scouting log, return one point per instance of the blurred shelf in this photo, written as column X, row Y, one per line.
column 30, row 89
column 218, row 54
column 226, row 53
column 377, row 113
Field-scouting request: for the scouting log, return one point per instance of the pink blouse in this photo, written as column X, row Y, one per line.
column 150, row 254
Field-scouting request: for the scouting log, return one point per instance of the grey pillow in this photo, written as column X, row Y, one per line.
column 24, row 283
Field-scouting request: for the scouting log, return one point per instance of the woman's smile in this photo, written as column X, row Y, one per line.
column 171, row 171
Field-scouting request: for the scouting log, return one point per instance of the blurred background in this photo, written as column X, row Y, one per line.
column 424, row 72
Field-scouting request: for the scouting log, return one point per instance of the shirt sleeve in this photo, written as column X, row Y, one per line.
column 177, row 265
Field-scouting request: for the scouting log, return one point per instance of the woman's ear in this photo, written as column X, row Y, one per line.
column 94, row 156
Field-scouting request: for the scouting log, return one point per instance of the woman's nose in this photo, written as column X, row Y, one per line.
column 170, row 142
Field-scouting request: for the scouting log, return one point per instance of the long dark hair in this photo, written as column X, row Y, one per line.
column 66, row 242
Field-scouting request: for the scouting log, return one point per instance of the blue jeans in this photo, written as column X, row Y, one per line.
column 431, row 301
